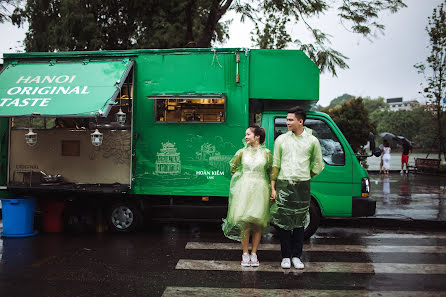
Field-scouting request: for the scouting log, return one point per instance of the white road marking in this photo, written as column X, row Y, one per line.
column 418, row 235
column 231, row 292
column 338, row 267
column 323, row 248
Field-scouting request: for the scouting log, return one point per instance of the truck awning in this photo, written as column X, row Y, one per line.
column 61, row 89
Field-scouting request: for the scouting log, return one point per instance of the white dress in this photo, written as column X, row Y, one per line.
column 386, row 158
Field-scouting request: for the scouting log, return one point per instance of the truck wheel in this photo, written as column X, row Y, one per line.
column 124, row 217
column 313, row 219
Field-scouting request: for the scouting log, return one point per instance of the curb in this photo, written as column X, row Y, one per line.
column 385, row 222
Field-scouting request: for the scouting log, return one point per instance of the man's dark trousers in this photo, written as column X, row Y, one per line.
column 291, row 242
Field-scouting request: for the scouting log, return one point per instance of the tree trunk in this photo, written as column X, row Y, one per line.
column 189, row 24
column 215, row 14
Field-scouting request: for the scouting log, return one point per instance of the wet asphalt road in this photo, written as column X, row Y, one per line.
column 196, row 260
column 400, row 252
column 409, row 197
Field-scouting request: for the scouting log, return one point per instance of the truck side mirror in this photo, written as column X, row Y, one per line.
column 375, row 151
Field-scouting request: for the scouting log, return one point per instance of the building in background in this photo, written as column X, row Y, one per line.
column 398, row 104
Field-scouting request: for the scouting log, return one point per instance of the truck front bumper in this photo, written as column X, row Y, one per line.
column 363, row 207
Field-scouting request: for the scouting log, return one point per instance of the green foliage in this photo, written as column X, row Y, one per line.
column 417, row 125
column 373, row 105
column 124, row 24
column 353, row 119
column 275, row 15
column 120, row 24
column 5, row 9
column 434, row 70
column 339, row 100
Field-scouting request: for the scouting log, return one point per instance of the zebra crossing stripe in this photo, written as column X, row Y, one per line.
column 230, row 292
column 392, row 236
column 323, row 248
column 337, row 267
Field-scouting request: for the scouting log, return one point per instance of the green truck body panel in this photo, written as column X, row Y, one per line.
column 283, row 75
column 203, row 149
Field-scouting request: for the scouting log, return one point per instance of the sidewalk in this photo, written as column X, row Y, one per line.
column 395, row 162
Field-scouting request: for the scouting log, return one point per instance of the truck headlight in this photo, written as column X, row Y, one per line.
column 365, row 187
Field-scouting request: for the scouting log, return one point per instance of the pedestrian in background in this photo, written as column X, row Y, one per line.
column 381, row 148
column 386, row 157
column 249, row 194
column 405, row 156
column 297, row 159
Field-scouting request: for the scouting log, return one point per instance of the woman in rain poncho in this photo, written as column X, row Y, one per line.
column 386, row 157
column 249, row 194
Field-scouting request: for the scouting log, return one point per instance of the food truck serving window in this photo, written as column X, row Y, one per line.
column 190, row 109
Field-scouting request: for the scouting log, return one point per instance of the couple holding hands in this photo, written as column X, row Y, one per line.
column 275, row 189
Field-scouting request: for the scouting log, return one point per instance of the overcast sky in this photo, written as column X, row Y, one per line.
column 381, row 67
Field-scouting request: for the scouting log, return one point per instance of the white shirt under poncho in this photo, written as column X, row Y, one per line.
column 297, row 158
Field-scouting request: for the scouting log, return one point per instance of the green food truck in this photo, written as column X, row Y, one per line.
column 147, row 134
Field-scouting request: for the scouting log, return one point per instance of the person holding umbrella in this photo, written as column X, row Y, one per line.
column 405, row 156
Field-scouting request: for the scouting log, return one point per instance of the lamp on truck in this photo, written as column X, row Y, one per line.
column 96, row 138
column 120, row 117
column 31, row 137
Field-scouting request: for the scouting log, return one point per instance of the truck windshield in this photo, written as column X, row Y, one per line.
column 332, row 150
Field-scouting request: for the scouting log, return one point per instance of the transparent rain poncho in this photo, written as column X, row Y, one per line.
column 297, row 159
column 249, row 193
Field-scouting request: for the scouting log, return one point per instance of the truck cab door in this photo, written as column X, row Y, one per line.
column 333, row 187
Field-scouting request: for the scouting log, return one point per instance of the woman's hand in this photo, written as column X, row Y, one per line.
column 273, row 195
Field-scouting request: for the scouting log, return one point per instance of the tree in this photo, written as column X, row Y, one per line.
column 5, row 7
column 416, row 124
column 353, row 119
column 373, row 105
column 117, row 24
column 434, row 70
column 339, row 100
column 108, row 24
column 357, row 16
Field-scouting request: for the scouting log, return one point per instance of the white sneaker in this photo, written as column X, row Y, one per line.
column 254, row 261
column 246, row 261
column 297, row 263
column 286, row 263
column 401, row 172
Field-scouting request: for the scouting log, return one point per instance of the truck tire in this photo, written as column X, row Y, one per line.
column 313, row 219
column 124, row 217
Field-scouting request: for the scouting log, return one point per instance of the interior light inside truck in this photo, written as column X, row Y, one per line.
column 31, row 137
column 96, row 138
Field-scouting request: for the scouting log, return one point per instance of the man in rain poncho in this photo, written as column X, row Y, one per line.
column 297, row 159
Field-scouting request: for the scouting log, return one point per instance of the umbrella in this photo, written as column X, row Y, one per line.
column 388, row 136
column 400, row 139
column 403, row 140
